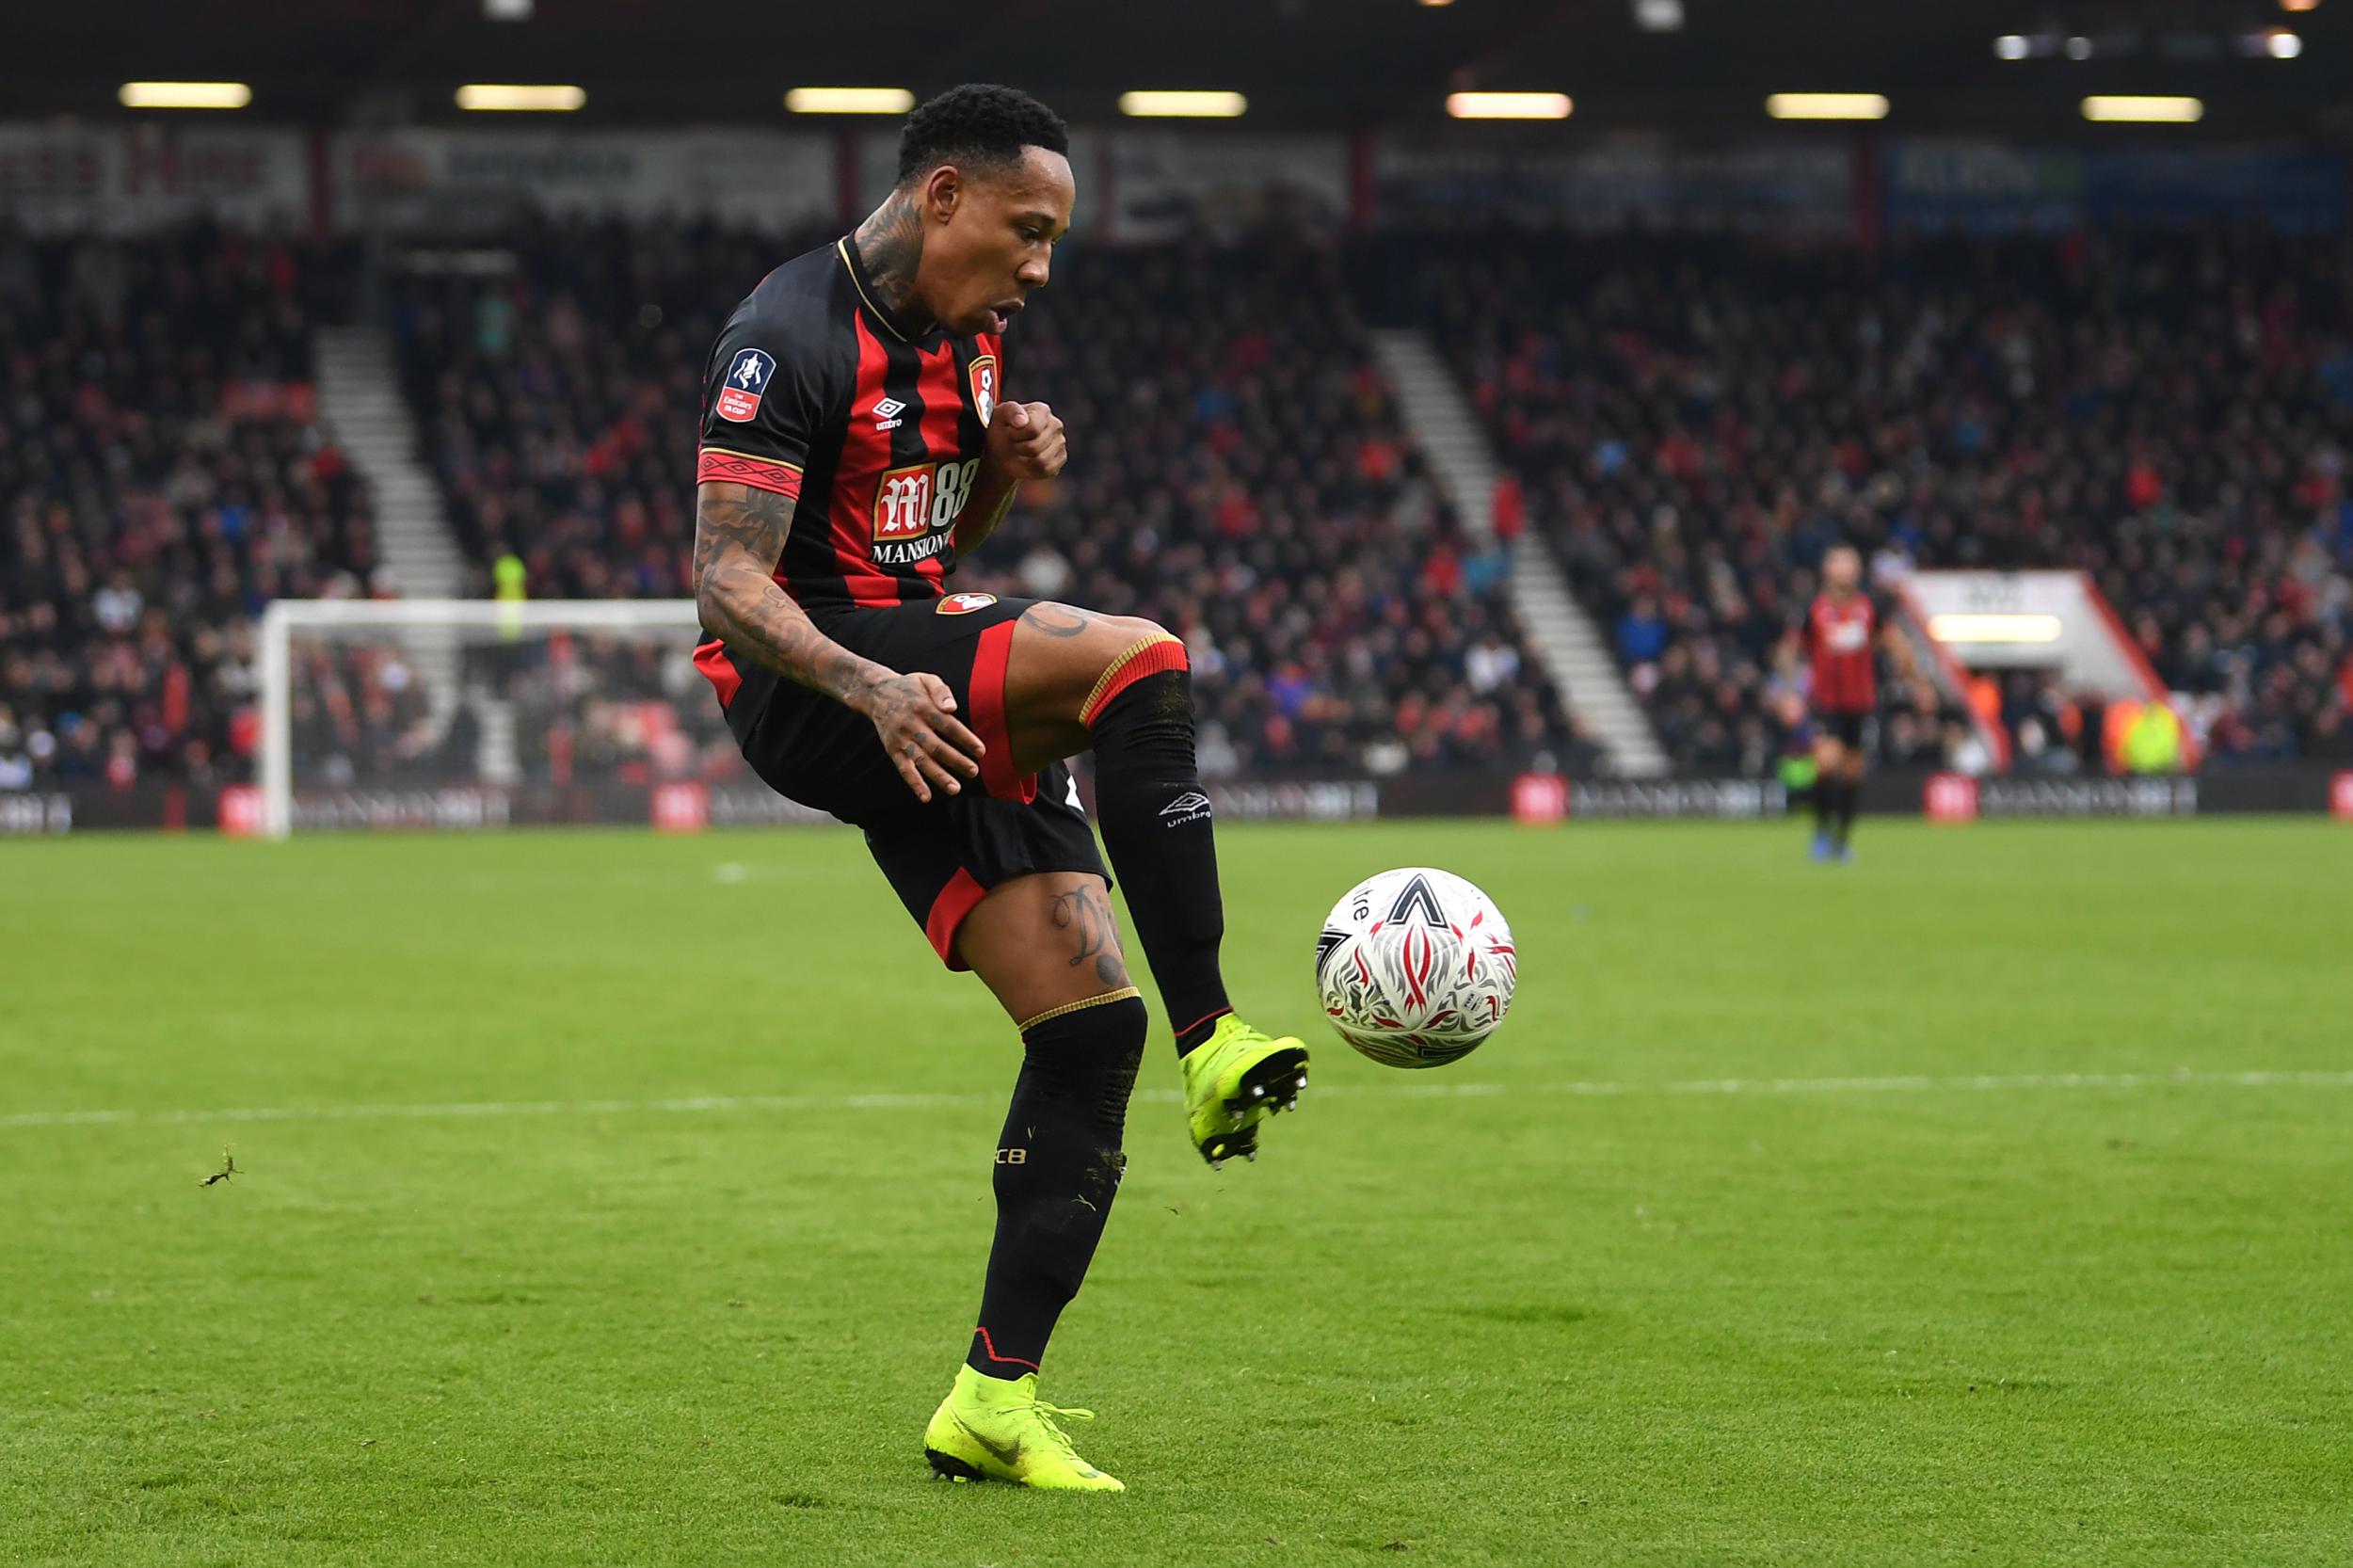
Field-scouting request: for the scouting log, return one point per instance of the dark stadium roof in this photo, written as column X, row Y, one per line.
column 1323, row 63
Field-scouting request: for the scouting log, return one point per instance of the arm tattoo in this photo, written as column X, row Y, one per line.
column 1083, row 911
column 890, row 243
column 1057, row 621
column 739, row 537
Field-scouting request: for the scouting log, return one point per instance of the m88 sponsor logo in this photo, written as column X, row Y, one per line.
column 919, row 500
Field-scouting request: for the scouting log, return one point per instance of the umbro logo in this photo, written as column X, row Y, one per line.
column 887, row 414
column 1191, row 807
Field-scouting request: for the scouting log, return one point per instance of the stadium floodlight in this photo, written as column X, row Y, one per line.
column 1658, row 16
column 2144, row 110
column 521, row 98
column 849, row 100
column 1149, row 104
column 2011, row 46
column 1508, row 105
column 2079, row 48
column 2299, row 5
column 1827, row 106
column 2283, row 44
column 506, row 11
column 183, row 95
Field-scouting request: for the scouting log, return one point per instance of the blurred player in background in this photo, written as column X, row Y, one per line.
column 1845, row 628
column 855, row 443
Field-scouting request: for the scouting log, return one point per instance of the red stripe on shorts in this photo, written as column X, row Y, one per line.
column 954, row 902
column 988, row 716
column 712, row 659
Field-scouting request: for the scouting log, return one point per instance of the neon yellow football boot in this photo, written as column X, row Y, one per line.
column 1234, row 1079
column 995, row 1428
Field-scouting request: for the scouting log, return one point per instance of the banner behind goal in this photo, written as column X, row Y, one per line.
column 473, row 713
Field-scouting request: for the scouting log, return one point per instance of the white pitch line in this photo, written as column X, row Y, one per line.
column 704, row 1103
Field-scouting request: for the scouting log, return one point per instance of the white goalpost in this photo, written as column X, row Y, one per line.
column 405, row 713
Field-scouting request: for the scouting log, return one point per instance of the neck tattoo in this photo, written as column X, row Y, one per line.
column 890, row 244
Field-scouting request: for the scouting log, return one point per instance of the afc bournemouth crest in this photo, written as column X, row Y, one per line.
column 747, row 379
column 964, row 604
column 983, row 373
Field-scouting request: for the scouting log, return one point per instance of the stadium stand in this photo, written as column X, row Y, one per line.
column 1687, row 423
column 1690, row 423
column 163, row 475
column 1239, row 476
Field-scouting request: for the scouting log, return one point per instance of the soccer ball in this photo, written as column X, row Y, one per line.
column 1415, row 967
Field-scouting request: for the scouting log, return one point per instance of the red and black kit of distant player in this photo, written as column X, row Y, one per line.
column 1842, row 634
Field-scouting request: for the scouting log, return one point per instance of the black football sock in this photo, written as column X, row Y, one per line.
column 1825, row 803
column 1850, row 804
column 1058, row 1168
column 1156, row 823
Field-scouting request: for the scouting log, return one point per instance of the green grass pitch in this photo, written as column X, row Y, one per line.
column 612, row 1199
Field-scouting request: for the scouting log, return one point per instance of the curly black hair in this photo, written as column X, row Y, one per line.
column 977, row 124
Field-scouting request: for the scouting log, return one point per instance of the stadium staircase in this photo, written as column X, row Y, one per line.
column 1563, row 636
column 359, row 394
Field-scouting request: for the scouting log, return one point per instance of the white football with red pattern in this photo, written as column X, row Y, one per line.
column 1415, row 968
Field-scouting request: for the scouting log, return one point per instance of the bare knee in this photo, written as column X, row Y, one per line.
column 1065, row 663
column 1127, row 631
column 1070, row 648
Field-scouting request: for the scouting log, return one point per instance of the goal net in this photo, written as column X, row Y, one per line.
column 473, row 713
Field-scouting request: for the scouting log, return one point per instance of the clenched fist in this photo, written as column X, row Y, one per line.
column 1025, row 441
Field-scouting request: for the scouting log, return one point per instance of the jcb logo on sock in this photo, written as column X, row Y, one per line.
column 1012, row 1157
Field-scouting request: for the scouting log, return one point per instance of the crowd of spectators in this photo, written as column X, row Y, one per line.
column 589, row 708
column 358, row 712
column 1239, row 474
column 627, row 709
column 558, row 395
column 1247, row 485
column 163, row 475
column 1690, row 423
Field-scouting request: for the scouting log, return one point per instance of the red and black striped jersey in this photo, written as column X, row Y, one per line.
column 815, row 391
column 1841, row 638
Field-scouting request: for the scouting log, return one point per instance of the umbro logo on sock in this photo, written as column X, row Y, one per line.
column 1191, row 807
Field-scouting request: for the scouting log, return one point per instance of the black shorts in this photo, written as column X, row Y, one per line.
column 942, row 857
column 1846, row 729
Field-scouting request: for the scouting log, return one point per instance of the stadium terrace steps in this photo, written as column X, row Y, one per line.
column 1561, row 633
column 359, row 394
